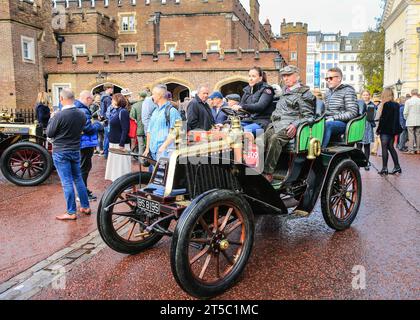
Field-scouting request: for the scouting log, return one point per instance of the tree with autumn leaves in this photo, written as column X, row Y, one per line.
column 371, row 59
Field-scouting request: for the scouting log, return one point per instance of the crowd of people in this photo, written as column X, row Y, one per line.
column 93, row 125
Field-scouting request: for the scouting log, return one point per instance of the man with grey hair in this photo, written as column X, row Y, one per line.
column 89, row 139
column 148, row 107
column 295, row 106
column 412, row 115
column 65, row 129
column 162, row 120
column 199, row 115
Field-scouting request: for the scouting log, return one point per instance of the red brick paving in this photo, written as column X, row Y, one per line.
column 295, row 259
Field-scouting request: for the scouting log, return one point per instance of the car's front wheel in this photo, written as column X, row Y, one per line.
column 26, row 164
column 212, row 243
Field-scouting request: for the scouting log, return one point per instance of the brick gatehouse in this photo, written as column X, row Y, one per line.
column 49, row 45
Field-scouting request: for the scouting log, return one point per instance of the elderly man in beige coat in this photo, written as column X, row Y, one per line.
column 412, row 115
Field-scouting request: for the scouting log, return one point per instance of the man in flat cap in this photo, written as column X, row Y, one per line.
column 295, row 106
column 233, row 99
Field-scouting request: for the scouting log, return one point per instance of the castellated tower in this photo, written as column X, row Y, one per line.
column 292, row 44
column 26, row 35
column 46, row 41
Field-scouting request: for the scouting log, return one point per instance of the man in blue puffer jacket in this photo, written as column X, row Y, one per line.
column 89, row 139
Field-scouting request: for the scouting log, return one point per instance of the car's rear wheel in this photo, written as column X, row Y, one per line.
column 26, row 164
column 120, row 223
column 212, row 243
column 341, row 195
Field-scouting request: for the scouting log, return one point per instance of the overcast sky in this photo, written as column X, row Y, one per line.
column 321, row 15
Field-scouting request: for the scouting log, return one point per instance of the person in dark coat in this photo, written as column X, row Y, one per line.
column 295, row 106
column 89, row 138
column 65, row 129
column 199, row 115
column 217, row 104
column 403, row 138
column 258, row 100
column 366, row 105
column 42, row 110
column 388, row 127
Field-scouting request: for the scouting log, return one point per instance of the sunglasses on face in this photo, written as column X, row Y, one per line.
column 330, row 78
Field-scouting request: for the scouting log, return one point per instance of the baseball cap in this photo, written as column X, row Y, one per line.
column 216, row 94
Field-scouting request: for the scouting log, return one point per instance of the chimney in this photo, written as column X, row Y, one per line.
column 255, row 16
column 254, row 6
column 267, row 26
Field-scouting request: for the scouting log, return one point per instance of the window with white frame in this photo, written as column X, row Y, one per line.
column 311, row 39
column 128, row 48
column 213, row 45
column 127, row 23
column 28, row 49
column 78, row 49
column 293, row 56
column 329, row 38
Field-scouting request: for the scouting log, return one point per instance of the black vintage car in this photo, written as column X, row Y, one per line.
column 24, row 156
column 212, row 188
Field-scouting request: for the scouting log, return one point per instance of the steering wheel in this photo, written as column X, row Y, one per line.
column 240, row 113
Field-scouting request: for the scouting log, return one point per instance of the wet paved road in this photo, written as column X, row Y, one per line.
column 293, row 259
column 28, row 230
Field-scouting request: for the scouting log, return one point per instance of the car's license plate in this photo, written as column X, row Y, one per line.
column 148, row 205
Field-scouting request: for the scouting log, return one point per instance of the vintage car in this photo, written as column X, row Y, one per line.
column 212, row 189
column 24, row 156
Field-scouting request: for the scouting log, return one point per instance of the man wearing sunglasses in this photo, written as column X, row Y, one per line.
column 340, row 105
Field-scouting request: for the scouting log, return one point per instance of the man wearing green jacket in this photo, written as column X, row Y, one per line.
column 135, row 114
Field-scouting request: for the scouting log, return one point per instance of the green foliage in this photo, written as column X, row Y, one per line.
column 371, row 59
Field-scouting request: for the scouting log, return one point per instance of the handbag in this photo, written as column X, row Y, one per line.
column 132, row 130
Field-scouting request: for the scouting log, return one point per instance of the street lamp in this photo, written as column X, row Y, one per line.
column 101, row 77
column 277, row 63
column 398, row 86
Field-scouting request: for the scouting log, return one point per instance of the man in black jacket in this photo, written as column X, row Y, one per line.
column 199, row 115
column 65, row 129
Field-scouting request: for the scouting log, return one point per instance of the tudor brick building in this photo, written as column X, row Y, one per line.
column 134, row 44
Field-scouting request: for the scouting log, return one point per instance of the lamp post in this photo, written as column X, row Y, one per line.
column 101, row 77
column 398, row 86
column 277, row 63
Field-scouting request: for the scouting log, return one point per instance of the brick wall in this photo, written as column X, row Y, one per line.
column 138, row 81
column 293, row 40
column 7, row 74
column 138, row 72
column 21, row 80
column 95, row 44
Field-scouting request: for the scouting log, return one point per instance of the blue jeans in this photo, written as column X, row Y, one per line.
column 251, row 127
column 333, row 128
column 67, row 164
column 106, row 141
